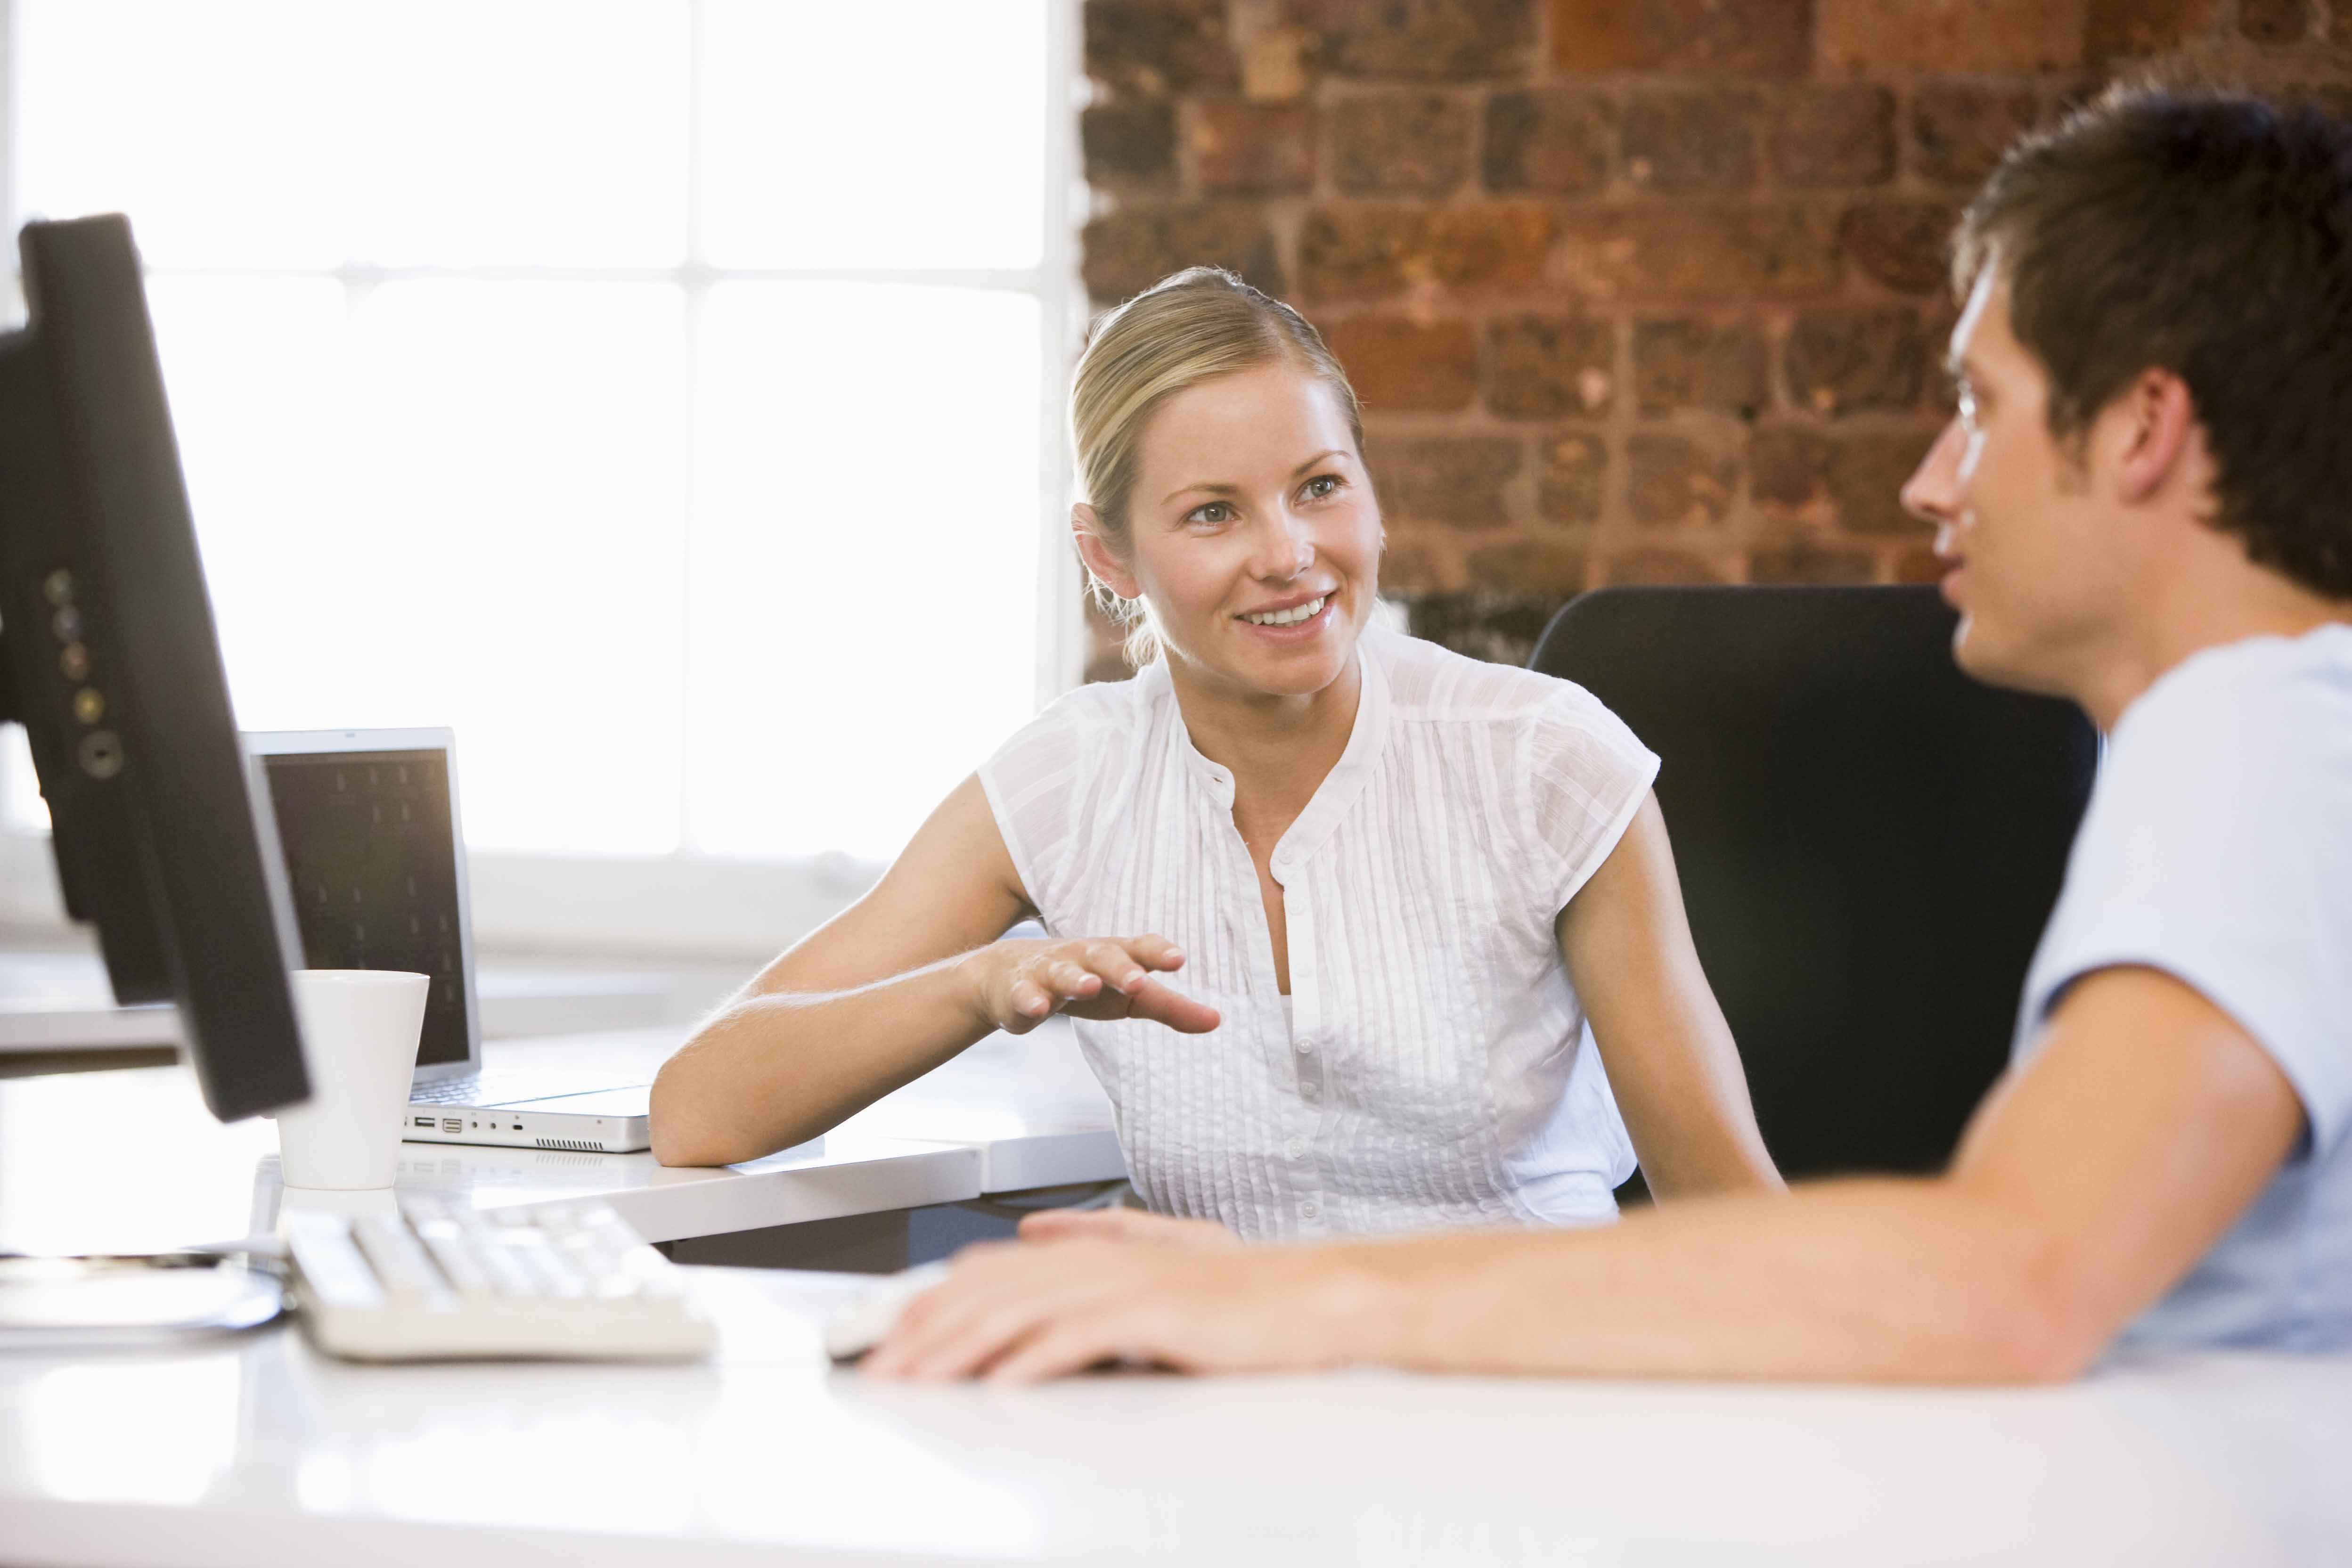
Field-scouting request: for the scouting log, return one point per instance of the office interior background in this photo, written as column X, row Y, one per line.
column 667, row 394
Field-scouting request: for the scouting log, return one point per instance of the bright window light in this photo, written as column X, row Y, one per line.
column 649, row 389
column 906, row 135
column 868, row 451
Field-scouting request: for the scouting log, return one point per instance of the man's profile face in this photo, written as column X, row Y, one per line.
column 2032, row 565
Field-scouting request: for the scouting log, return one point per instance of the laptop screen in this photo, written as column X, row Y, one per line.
column 372, row 864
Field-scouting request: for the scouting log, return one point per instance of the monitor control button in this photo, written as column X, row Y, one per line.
column 57, row 587
column 73, row 661
column 101, row 755
column 89, row 704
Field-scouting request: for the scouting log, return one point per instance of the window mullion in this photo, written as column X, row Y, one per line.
column 695, row 280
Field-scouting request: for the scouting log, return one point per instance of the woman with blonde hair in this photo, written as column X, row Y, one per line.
column 1360, row 935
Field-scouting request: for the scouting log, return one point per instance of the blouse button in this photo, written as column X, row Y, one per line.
column 1306, row 1047
column 1311, row 1210
column 1296, row 1149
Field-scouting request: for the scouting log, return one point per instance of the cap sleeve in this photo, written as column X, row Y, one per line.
column 1037, row 785
column 2215, row 851
column 1586, row 775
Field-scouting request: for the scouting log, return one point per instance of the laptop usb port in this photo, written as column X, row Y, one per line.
column 452, row 1124
column 425, row 1121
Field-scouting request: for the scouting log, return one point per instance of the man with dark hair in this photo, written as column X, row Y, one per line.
column 2145, row 500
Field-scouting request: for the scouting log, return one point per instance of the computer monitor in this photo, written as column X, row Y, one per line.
column 108, row 659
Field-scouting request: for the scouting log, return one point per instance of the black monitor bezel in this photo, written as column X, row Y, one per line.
column 166, row 853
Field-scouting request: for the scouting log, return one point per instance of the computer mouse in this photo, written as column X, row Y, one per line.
column 860, row 1326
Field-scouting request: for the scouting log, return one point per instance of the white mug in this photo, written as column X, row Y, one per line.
column 359, row 1032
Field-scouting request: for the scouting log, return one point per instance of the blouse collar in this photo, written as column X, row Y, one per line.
column 1340, row 787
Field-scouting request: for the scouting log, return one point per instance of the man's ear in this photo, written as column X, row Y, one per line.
column 2155, row 433
column 1085, row 526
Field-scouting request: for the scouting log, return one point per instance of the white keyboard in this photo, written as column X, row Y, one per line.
column 441, row 1281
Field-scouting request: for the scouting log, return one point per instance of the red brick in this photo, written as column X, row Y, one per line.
column 1694, row 363
column 1152, row 48
column 1652, row 564
column 1700, row 38
column 1128, row 251
column 1239, row 148
column 1130, row 143
column 1400, row 365
column 1572, row 478
column 1849, row 480
column 1834, row 136
column 1449, row 481
column 1917, row 564
column 1691, row 141
column 1422, row 564
column 1553, row 142
column 1958, row 133
column 1952, row 34
column 1844, row 360
column 1353, row 251
column 1902, row 245
column 2119, row 29
column 1785, row 470
column 1806, row 561
column 1693, row 251
column 1406, row 141
column 1866, row 475
column 2273, row 21
column 1677, row 480
column 1428, row 41
column 1274, row 65
column 1545, row 367
column 1553, row 568
column 1597, row 36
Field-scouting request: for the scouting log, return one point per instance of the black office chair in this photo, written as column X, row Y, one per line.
column 1869, row 844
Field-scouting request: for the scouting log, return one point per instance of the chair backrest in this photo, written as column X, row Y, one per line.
column 1869, row 843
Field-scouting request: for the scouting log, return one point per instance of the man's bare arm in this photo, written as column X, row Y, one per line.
column 2088, row 1184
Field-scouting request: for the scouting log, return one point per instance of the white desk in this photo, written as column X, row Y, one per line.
column 1030, row 1107
column 255, row 1451
column 130, row 1159
column 60, row 1001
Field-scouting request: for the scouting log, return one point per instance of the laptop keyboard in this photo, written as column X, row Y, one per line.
column 448, row 1091
column 506, row 1086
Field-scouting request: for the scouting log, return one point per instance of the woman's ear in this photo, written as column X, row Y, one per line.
column 1085, row 526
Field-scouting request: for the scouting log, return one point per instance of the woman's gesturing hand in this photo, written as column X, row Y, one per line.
column 1019, row 983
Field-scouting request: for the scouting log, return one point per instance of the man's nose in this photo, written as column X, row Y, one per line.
column 1932, row 493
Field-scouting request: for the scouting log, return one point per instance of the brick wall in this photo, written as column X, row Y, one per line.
column 1634, row 290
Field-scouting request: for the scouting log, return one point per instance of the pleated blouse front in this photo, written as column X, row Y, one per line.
column 1436, row 1069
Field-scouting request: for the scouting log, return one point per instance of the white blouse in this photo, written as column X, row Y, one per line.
column 1436, row 1069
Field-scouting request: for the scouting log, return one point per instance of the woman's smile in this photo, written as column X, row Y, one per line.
column 1296, row 619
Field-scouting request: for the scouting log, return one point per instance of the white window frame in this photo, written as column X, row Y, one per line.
column 689, row 903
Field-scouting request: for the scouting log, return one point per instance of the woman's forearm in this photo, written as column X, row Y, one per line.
column 774, row 1068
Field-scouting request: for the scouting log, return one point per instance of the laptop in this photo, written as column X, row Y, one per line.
column 375, row 865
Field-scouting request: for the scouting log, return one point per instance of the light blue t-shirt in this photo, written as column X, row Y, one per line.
column 2217, row 847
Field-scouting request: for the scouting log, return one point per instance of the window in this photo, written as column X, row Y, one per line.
column 664, row 392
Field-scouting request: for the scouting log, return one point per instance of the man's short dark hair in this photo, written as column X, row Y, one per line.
column 2209, row 234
